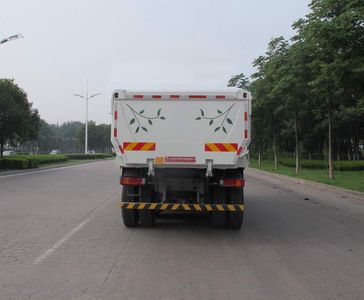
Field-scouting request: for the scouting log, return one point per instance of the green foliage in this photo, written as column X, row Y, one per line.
column 46, row 158
column 308, row 93
column 321, row 164
column 14, row 163
column 353, row 180
column 34, row 161
column 98, row 136
column 239, row 81
column 89, row 156
column 19, row 122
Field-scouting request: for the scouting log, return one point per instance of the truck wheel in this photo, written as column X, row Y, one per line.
column 146, row 216
column 129, row 216
column 218, row 217
column 235, row 218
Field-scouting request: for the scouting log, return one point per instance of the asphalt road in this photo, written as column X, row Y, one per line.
column 61, row 237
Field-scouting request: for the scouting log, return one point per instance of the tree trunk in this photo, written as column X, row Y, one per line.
column 297, row 154
column 275, row 151
column 259, row 156
column 350, row 150
column 331, row 165
column 1, row 144
column 356, row 141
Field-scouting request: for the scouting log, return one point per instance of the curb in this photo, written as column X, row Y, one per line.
column 308, row 182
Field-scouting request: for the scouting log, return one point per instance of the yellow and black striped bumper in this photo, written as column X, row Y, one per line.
column 182, row 207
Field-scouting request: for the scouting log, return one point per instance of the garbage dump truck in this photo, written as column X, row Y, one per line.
column 182, row 152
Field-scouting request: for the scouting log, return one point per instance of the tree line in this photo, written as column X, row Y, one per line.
column 308, row 92
column 22, row 129
column 69, row 137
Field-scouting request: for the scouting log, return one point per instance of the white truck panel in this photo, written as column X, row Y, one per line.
column 181, row 129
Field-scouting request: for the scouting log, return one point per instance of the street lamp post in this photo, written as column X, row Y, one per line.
column 87, row 97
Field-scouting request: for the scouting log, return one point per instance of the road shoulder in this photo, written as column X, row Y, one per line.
column 308, row 183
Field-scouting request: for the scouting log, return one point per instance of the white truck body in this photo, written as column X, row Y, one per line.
column 182, row 152
column 181, row 129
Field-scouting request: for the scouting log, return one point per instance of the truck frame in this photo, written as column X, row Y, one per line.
column 182, row 152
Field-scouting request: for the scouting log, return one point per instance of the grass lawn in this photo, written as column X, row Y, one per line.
column 352, row 180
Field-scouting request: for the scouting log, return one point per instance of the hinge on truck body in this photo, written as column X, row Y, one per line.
column 209, row 168
column 150, row 163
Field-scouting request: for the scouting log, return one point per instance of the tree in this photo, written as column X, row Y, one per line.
column 240, row 81
column 98, row 136
column 309, row 93
column 292, row 86
column 334, row 33
column 19, row 122
column 267, row 102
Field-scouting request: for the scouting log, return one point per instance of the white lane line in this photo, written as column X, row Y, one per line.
column 48, row 252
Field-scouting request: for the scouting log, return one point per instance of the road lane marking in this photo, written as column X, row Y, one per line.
column 59, row 243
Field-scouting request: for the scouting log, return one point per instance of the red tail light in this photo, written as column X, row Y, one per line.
column 132, row 181
column 233, row 182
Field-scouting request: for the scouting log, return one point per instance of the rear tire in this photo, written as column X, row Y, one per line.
column 218, row 217
column 130, row 216
column 235, row 218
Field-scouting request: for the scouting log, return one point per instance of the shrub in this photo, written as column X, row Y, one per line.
column 349, row 165
column 14, row 163
column 357, row 165
column 32, row 162
column 46, row 158
column 89, row 156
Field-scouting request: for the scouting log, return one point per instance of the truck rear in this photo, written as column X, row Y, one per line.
column 183, row 152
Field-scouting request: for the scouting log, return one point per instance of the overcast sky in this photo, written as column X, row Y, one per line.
column 138, row 44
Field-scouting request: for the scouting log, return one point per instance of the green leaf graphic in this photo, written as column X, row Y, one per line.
column 145, row 129
column 219, row 111
column 229, row 121
column 202, row 113
column 216, row 129
column 142, row 111
column 162, row 118
column 150, row 122
column 198, row 118
column 223, row 128
column 159, row 112
column 211, row 122
column 137, row 130
column 132, row 121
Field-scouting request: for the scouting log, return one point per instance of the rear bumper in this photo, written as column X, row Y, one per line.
column 183, row 207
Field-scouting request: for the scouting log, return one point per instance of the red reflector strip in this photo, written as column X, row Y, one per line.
column 115, row 132
column 115, row 115
column 121, row 149
column 138, row 96
column 221, row 147
column 132, row 181
column 156, row 96
column 220, row 97
column 139, row 146
column 239, row 151
column 233, row 182
column 246, row 133
column 174, row 96
column 197, row 96
column 246, row 116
